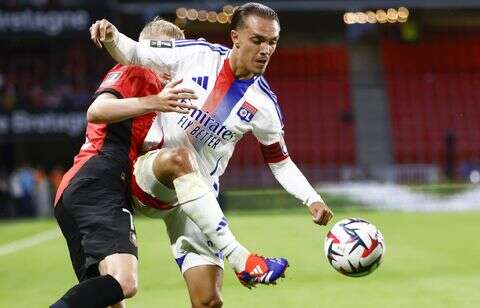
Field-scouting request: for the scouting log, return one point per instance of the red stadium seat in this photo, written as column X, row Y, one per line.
column 433, row 87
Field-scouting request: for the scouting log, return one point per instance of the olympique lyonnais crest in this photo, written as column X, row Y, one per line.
column 246, row 112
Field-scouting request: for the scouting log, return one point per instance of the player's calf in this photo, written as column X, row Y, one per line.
column 99, row 291
column 204, row 286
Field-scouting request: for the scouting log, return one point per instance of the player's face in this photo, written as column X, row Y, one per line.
column 256, row 42
column 163, row 76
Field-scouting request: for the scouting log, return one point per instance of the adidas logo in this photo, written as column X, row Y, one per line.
column 201, row 81
column 221, row 224
column 257, row 270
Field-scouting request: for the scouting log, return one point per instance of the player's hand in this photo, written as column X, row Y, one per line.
column 171, row 99
column 102, row 31
column 321, row 213
column 164, row 78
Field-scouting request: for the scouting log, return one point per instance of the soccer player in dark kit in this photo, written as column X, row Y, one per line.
column 92, row 204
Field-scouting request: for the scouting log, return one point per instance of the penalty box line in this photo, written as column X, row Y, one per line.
column 29, row 242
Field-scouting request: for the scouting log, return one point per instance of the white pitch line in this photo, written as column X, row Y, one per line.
column 29, row 242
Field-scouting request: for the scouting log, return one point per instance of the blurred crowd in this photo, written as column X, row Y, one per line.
column 56, row 78
column 28, row 192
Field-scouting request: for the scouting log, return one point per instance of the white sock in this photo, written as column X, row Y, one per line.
column 201, row 206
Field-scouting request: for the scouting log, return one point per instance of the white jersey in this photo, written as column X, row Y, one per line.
column 227, row 107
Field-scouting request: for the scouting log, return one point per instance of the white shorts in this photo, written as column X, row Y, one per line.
column 190, row 247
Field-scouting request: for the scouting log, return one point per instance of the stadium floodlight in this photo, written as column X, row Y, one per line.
column 181, row 12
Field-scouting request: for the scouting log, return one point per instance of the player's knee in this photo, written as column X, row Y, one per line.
column 212, row 301
column 122, row 267
column 180, row 158
column 129, row 285
column 178, row 162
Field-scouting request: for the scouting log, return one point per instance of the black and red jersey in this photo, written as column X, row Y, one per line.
column 111, row 149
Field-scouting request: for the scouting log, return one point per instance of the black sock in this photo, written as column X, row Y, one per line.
column 98, row 292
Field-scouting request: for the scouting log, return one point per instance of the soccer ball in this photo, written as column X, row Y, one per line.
column 354, row 247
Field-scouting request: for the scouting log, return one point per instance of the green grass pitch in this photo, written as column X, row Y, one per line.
column 431, row 261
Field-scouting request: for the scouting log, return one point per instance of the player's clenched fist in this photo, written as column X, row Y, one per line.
column 321, row 213
column 102, row 31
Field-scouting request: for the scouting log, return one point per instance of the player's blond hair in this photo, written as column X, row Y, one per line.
column 160, row 27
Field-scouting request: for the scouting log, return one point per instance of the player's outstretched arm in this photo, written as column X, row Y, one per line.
column 293, row 181
column 270, row 136
column 107, row 108
column 119, row 46
column 145, row 53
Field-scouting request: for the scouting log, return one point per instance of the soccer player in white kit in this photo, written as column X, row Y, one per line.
column 233, row 99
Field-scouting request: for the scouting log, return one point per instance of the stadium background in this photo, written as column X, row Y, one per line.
column 381, row 112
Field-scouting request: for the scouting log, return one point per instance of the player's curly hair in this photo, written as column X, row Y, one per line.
column 251, row 8
column 159, row 26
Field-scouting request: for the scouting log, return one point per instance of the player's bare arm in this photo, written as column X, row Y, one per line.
column 107, row 108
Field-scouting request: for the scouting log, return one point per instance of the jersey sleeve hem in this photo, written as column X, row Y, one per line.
column 108, row 90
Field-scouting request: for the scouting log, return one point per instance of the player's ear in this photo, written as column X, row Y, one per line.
column 235, row 38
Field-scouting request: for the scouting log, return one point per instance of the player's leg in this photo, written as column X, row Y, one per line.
column 158, row 170
column 200, row 262
column 124, row 268
column 176, row 169
column 204, row 285
column 95, row 220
